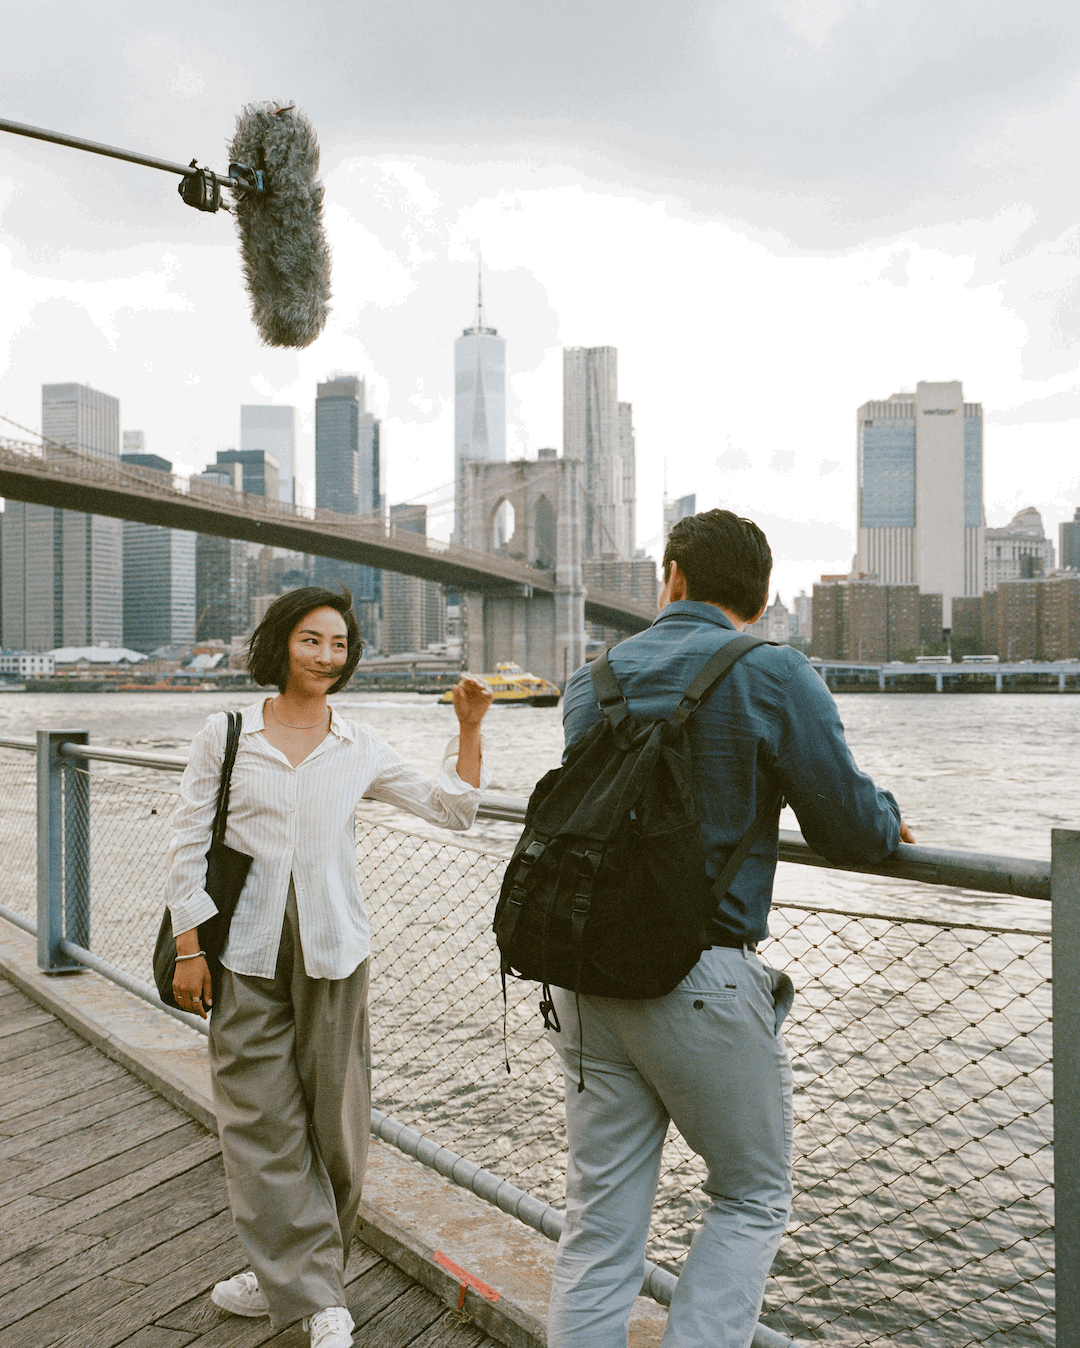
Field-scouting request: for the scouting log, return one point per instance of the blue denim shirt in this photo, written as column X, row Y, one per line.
column 771, row 725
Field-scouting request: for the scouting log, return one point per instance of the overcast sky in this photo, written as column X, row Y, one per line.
column 775, row 209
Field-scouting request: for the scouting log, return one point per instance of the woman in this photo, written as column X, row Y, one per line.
column 289, row 1048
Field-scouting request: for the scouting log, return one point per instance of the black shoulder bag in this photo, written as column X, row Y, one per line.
column 226, row 871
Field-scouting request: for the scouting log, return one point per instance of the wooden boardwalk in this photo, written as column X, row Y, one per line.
column 114, row 1220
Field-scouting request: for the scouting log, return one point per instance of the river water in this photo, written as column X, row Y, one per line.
column 978, row 773
column 920, row 1044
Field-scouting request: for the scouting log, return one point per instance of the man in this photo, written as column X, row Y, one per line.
column 709, row 1055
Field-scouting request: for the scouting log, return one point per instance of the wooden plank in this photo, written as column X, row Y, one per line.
column 37, row 1258
column 69, row 1077
column 116, row 1088
column 154, row 1336
column 24, row 1018
column 55, row 1214
column 42, row 1036
column 376, row 1290
column 186, row 1233
column 48, row 1323
column 182, row 1201
column 58, row 1121
column 176, row 1243
column 117, row 1162
column 122, row 1318
column 403, row 1320
column 48, row 1059
column 450, row 1331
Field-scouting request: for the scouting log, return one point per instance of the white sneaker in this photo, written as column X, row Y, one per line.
column 240, row 1295
column 331, row 1328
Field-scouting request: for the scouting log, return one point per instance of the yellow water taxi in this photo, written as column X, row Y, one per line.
column 511, row 685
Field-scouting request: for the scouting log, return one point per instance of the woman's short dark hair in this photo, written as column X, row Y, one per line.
column 268, row 649
column 726, row 560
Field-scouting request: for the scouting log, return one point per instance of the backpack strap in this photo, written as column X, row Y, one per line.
column 608, row 693
column 712, row 672
column 767, row 812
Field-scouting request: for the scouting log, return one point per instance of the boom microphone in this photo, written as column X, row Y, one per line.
column 286, row 256
column 278, row 199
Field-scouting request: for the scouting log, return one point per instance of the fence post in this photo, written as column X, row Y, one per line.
column 1065, row 920
column 60, row 851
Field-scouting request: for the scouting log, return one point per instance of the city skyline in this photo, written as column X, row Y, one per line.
column 915, row 239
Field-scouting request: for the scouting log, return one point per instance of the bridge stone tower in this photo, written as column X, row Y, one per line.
column 543, row 633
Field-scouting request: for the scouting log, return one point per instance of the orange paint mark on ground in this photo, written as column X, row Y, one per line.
column 466, row 1279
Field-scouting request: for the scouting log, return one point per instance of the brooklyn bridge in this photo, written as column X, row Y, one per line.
column 513, row 609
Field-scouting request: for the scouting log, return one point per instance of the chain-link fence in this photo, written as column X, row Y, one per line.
column 921, row 1053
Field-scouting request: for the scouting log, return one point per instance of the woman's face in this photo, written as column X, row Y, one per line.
column 318, row 648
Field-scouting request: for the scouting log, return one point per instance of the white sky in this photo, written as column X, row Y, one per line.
column 774, row 210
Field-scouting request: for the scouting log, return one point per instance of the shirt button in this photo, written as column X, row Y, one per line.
column 698, row 1004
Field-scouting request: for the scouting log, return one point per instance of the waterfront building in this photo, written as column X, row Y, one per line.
column 479, row 402
column 803, row 616
column 348, row 476
column 598, row 433
column 775, row 624
column 859, row 619
column 27, row 664
column 677, row 510
column 159, row 571
column 1069, row 538
column 414, row 610
column 272, row 429
column 1036, row 619
column 920, row 497
column 258, row 470
column 1019, row 551
column 635, row 579
column 221, row 566
column 62, row 573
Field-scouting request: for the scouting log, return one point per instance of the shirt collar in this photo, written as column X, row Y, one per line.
column 692, row 608
column 253, row 721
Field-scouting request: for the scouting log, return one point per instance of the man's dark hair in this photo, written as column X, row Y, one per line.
column 268, row 649
column 726, row 560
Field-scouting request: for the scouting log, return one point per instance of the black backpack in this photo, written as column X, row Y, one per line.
column 606, row 891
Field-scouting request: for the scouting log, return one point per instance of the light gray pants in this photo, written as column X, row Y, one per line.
column 710, row 1057
column 290, row 1061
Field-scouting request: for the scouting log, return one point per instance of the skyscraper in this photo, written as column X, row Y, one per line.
column 598, row 432
column 63, row 570
column 1069, row 537
column 414, row 610
column 920, row 503
column 272, row 429
column 259, row 470
column 159, row 572
column 348, row 474
column 221, row 570
column 677, row 510
column 479, row 401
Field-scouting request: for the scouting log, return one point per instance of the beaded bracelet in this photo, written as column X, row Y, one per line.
column 191, row 957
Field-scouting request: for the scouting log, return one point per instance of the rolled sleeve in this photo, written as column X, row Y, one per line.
column 449, row 802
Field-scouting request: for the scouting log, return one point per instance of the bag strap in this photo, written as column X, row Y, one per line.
column 767, row 811
column 712, row 672
column 608, row 693
column 612, row 703
column 232, row 743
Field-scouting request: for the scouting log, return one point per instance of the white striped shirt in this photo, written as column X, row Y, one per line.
column 297, row 822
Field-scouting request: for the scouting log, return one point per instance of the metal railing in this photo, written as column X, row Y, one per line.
column 922, row 1051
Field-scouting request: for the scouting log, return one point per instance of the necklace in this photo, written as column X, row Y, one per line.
column 290, row 725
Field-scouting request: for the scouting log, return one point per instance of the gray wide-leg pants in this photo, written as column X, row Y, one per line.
column 708, row 1056
column 290, row 1062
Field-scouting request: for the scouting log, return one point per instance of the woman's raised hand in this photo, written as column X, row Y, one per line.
column 472, row 697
